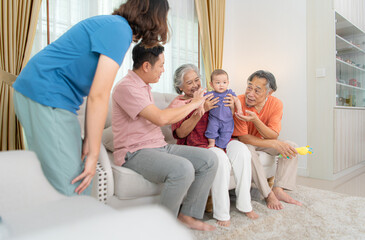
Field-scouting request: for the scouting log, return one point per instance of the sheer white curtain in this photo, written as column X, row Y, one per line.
column 182, row 47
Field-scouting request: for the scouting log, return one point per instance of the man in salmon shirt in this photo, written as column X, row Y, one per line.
column 259, row 129
column 187, row 173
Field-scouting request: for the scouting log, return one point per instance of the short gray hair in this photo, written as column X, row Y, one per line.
column 180, row 73
column 270, row 79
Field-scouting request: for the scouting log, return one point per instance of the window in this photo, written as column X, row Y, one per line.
column 182, row 48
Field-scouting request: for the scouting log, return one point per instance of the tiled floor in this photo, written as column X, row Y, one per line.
column 353, row 184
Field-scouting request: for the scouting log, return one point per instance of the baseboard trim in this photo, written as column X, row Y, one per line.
column 302, row 172
column 350, row 172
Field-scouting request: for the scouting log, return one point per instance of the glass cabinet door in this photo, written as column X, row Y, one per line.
column 350, row 64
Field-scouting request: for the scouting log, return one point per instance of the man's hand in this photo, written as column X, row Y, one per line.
column 200, row 111
column 249, row 117
column 285, row 149
column 199, row 97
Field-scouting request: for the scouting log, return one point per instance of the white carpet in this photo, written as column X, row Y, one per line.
column 324, row 215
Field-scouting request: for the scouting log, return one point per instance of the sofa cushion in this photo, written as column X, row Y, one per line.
column 22, row 182
column 130, row 184
column 107, row 139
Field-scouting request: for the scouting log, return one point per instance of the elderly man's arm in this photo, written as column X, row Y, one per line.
column 265, row 131
column 283, row 148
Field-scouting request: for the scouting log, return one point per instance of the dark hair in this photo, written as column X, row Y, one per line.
column 148, row 20
column 270, row 78
column 217, row 72
column 141, row 54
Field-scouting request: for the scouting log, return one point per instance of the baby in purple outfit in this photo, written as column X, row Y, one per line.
column 220, row 125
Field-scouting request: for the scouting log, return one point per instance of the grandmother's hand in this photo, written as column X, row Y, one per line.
column 210, row 102
column 229, row 101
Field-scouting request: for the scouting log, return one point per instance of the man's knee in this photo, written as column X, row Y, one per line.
column 211, row 160
column 293, row 144
column 182, row 171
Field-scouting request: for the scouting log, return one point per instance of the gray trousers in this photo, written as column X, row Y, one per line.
column 286, row 171
column 184, row 170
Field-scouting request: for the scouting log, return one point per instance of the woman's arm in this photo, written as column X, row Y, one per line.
column 97, row 109
column 189, row 124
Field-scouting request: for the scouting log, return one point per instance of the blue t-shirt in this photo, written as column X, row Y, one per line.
column 222, row 112
column 62, row 73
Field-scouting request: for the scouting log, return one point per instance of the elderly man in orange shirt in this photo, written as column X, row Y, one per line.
column 259, row 127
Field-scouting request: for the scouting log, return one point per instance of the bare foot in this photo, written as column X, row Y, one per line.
column 193, row 223
column 283, row 196
column 272, row 202
column 252, row 215
column 224, row 223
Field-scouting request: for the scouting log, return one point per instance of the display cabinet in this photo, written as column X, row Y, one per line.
column 350, row 64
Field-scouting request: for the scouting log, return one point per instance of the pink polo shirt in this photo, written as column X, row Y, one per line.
column 131, row 131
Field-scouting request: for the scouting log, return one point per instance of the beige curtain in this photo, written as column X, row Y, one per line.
column 211, row 23
column 17, row 29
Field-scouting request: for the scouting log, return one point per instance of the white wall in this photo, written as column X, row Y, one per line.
column 271, row 35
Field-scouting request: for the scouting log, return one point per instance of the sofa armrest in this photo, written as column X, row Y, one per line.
column 103, row 183
column 22, row 182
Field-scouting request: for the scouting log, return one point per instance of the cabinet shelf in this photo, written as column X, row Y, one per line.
column 346, row 28
column 343, row 45
column 350, row 86
column 351, row 66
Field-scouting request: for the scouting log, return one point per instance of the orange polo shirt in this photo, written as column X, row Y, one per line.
column 271, row 115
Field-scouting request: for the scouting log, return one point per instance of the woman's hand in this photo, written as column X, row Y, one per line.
column 85, row 148
column 229, row 101
column 210, row 102
column 87, row 175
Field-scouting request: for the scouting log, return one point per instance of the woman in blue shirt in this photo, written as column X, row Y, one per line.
column 82, row 62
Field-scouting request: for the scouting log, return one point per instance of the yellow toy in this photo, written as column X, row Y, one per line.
column 302, row 150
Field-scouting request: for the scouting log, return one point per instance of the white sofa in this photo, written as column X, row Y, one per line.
column 121, row 187
column 30, row 208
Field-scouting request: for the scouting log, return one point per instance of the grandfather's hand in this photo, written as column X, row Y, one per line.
column 285, row 149
column 247, row 117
